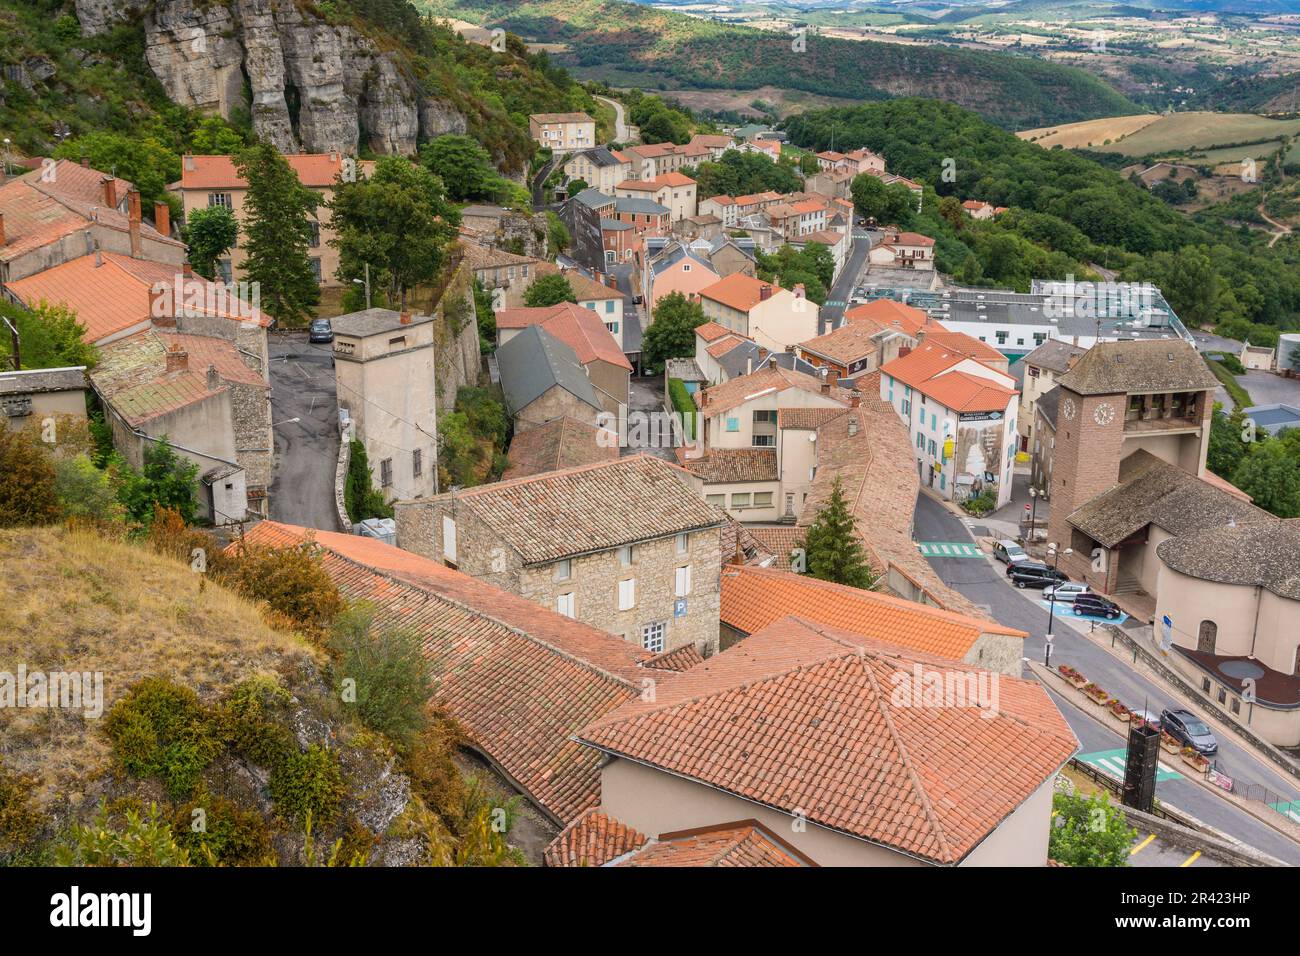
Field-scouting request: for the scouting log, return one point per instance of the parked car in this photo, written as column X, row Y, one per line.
column 1188, row 729
column 1094, row 605
column 1065, row 592
column 1008, row 552
column 1032, row 574
column 320, row 331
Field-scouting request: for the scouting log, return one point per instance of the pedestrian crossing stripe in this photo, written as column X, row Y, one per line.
column 949, row 549
column 835, row 303
column 1111, row 763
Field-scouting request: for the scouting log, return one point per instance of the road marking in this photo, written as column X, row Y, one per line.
column 949, row 549
column 1141, row 845
column 1190, row 860
column 1111, row 762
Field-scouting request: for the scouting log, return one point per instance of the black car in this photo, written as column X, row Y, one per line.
column 1188, row 729
column 320, row 331
column 1032, row 574
column 1093, row 605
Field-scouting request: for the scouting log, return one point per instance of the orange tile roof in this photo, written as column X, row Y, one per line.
column 888, row 314
column 739, row 291
column 593, row 839
column 752, row 598
column 807, row 419
column 847, row 344
column 719, row 349
column 519, row 678
column 114, row 296
column 315, row 170
column 742, row 388
column 675, row 179
column 968, row 345
column 681, row 659
column 712, row 331
column 560, row 443
column 805, row 719
column 928, row 368
column 579, row 328
column 779, row 542
column 922, row 364
column 132, row 373
column 746, row 843
column 588, row 289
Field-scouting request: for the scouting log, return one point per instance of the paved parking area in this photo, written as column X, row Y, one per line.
column 306, row 450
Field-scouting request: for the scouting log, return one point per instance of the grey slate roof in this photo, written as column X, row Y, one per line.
column 1054, row 355
column 1256, row 555
column 1146, row 366
column 42, row 380
column 1152, row 491
column 594, row 198
column 600, row 157
column 373, row 322
column 639, row 206
column 1048, row 403
column 534, row 361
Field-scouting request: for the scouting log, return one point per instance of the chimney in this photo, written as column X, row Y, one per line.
column 826, row 380
column 133, row 223
column 187, row 270
column 108, row 192
column 405, row 318
column 178, row 360
column 99, row 256
column 189, row 164
column 85, row 162
column 214, row 380
column 133, row 206
column 799, row 290
column 855, row 400
column 89, row 240
column 749, row 365
column 764, row 292
column 162, row 218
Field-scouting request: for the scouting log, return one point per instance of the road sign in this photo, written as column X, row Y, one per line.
column 1111, row 763
column 949, row 549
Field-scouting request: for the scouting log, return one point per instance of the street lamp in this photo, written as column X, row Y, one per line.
column 1033, row 511
column 1055, row 555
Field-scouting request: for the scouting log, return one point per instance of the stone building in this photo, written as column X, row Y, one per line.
column 33, row 395
column 542, row 380
column 627, row 546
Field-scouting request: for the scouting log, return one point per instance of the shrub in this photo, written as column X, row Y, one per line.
column 160, row 729
column 308, row 786
column 249, row 721
column 216, row 832
column 383, row 673
column 143, row 839
column 433, row 773
column 85, row 492
column 1089, row 831
column 292, row 581
column 1229, row 361
column 980, row 504
column 683, row 404
column 27, row 495
column 360, row 497
column 21, row 823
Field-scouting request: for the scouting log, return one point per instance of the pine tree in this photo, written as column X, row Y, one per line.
column 831, row 546
column 278, row 216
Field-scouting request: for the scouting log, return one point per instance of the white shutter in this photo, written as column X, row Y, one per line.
column 684, row 581
column 448, row 538
column 564, row 604
column 626, row 594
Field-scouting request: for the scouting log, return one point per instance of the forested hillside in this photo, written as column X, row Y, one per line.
column 612, row 37
column 1066, row 211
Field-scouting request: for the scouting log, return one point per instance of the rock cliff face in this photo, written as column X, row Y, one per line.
column 309, row 85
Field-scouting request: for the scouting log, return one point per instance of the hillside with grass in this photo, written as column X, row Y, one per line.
column 632, row 45
column 225, row 734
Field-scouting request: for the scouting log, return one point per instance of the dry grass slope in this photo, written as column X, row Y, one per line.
column 74, row 601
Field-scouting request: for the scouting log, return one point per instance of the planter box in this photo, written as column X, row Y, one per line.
column 1170, row 748
column 1078, row 681
column 1199, row 764
column 1119, row 719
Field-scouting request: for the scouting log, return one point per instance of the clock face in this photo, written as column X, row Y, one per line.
column 1068, row 409
column 1104, row 414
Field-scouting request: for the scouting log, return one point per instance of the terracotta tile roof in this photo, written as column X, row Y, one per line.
column 113, row 297
column 752, row 598
column 888, row 314
column 1054, row 354
column 561, row 118
column 746, row 843
column 681, row 659
column 588, row 289
column 808, row 419
column 719, row 349
column 560, row 443
column 779, row 542
column 847, row 344
column 639, row 185
column 739, row 291
column 712, row 331
column 737, row 391
column 156, row 393
column 738, row 544
column 315, row 170
column 518, row 677
column 579, row 328
column 963, row 392
column 802, row 718
column 724, row 465
column 674, row 179
column 593, row 839
column 717, row 141
column 590, row 508
column 910, row 239
column 967, row 345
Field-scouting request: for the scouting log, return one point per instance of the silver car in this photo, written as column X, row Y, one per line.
column 1065, row 592
column 1008, row 552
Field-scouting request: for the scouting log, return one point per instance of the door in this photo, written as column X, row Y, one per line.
column 1206, row 636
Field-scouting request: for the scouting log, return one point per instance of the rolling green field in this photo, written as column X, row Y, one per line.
column 1188, row 131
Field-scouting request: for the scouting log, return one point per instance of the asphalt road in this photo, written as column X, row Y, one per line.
column 302, row 387
column 983, row 581
column 838, row 298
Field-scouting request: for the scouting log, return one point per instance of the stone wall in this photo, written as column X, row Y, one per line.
column 456, row 355
column 553, row 403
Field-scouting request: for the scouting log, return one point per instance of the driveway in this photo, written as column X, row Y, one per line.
column 646, row 395
column 837, row 299
column 984, row 583
column 302, row 388
column 620, row 122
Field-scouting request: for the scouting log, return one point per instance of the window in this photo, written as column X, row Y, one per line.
column 386, row 472
column 315, row 268
column 764, row 441
column 683, row 541
column 1205, row 684
column 314, row 241
column 920, row 441
column 1236, row 705
column 449, row 537
column 563, row 569
column 564, row 604
column 718, row 500
column 1002, row 338
column 612, row 327
column 626, row 555
column 907, row 407
column 397, row 343
column 652, row 636
column 762, row 499
column 1040, row 338
column 932, row 448
column 609, row 306
column 934, row 421
column 627, row 594
column 219, row 199
column 740, row 500
column 683, row 581
column 733, row 424
column 417, row 462
column 1206, row 637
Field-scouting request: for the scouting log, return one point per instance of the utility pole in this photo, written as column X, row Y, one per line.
column 13, row 335
column 366, row 284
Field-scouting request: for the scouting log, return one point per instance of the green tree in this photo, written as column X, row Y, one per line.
column 672, row 333
column 209, row 234
column 549, row 290
column 360, row 497
column 143, row 839
column 215, row 137
column 1226, row 449
column 166, row 481
column 557, row 233
column 49, row 336
column 464, row 167
column 279, row 220
column 83, row 491
column 27, row 494
column 1089, row 831
column 888, row 205
column 385, row 671
column 575, row 186
column 1270, row 474
column 141, row 160
column 399, row 221
column 833, row 551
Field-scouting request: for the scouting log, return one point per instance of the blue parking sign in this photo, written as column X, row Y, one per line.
column 679, row 607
